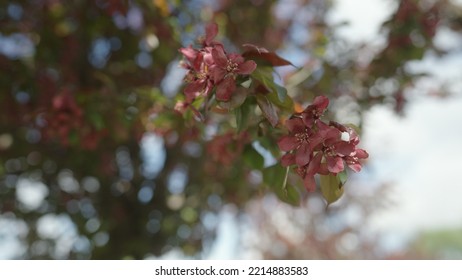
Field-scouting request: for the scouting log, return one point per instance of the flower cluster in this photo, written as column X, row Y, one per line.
column 319, row 148
column 211, row 67
column 226, row 148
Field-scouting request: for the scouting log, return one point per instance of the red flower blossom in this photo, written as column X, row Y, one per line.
column 353, row 159
column 314, row 111
column 225, row 148
column 299, row 141
column 224, row 70
column 210, row 67
column 197, row 78
column 318, row 148
column 211, row 31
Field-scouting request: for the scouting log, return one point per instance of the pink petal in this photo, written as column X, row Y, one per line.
column 344, row 148
column 354, row 138
column 246, row 68
column 315, row 140
column 208, row 57
column 287, row 143
column 360, row 153
column 321, row 102
column 219, row 57
column 211, row 31
column 295, row 125
column 192, row 90
column 355, row 166
column 225, row 89
column 189, row 53
column 314, row 165
column 326, row 131
column 308, row 119
column 303, row 154
column 288, row 160
column 208, row 88
column 236, row 58
column 198, row 61
column 217, row 73
column 309, row 183
column 335, row 164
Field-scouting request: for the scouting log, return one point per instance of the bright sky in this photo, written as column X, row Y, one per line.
column 420, row 152
column 364, row 18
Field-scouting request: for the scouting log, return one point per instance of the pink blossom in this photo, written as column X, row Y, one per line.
column 318, row 148
column 225, row 69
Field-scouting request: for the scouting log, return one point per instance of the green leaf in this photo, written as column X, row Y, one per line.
column 242, row 115
column 299, row 77
column 280, row 97
column 276, row 94
column 268, row 109
column 290, row 195
column 253, row 158
column 342, row 177
column 332, row 187
column 274, row 177
column 264, row 75
column 246, row 83
column 97, row 120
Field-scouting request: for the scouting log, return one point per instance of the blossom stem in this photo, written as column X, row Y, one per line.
column 284, row 184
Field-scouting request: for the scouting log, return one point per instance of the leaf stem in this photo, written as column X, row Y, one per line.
column 284, row 184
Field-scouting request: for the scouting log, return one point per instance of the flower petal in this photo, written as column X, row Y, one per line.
column 321, row 102
column 287, row 143
column 192, row 90
column 219, row 57
column 211, row 30
column 217, row 73
column 344, row 148
column 288, row 160
column 236, row 58
column 314, row 165
column 360, row 153
column 308, row 119
column 354, row 138
column 327, row 132
column 295, row 125
column 246, row 68
column 335, row 164
column 315, row 141
column 309, row 183
column 225, row 89
column 355, row 166
column 189, row 53
column 303, row 154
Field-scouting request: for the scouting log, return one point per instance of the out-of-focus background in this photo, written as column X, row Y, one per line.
column 95, row 165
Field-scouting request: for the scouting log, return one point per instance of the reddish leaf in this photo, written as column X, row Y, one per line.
column 258, row 53
column 268, row 109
